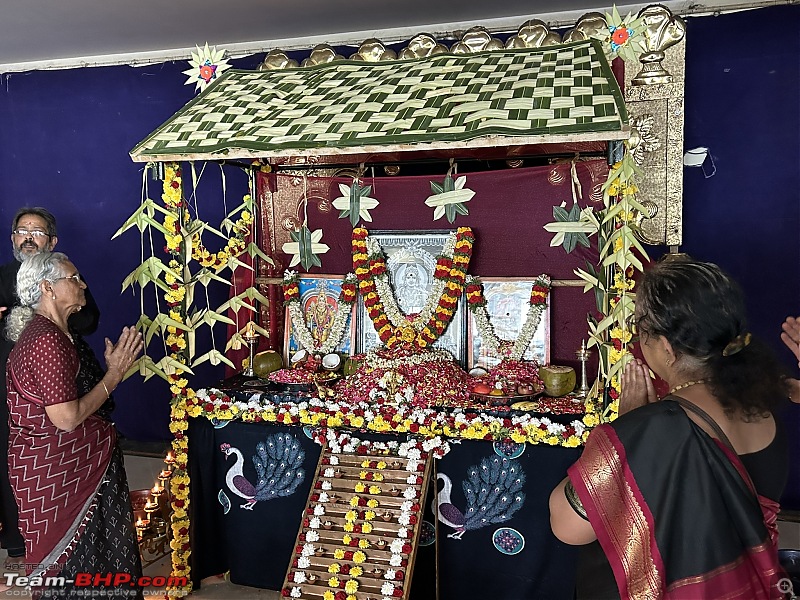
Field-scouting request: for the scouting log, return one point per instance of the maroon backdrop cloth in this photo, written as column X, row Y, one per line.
column 507, row 214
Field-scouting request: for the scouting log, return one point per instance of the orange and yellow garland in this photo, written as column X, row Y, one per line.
column 452, row 270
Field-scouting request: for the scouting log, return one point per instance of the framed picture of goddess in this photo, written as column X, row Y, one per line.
column 319, row 303
column 508, row 308
column 411, row 262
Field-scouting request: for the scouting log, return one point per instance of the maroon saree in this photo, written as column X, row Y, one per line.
column 674, row 510
column 55, row 474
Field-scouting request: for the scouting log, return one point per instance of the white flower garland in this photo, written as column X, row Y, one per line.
column 387, row 296
column 498, row 346
column 303, row 334
column 374, row 361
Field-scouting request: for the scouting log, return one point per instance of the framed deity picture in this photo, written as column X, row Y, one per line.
column 508, row 307
column 411, row 263
column 319, row 302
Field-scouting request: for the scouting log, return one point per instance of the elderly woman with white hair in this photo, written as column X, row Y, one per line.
column 64, row 462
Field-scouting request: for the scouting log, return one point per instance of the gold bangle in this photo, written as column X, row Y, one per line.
column 108, row 394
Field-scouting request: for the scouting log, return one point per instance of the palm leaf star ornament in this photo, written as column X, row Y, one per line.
column 355, row 202
column 305, row 247
column 207, row 64
column 448, row 199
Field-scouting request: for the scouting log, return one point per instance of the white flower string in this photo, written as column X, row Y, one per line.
column 489, row 337
column 301, row 329
column 387, row 296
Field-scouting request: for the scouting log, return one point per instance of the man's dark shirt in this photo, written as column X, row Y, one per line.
column 83, row 322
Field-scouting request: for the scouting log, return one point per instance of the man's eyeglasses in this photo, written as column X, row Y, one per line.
column 76, row 278
column 37, row 233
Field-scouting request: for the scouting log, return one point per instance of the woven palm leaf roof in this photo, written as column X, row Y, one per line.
column 563, row 93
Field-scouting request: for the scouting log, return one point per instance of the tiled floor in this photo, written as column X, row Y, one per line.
column 142, row 474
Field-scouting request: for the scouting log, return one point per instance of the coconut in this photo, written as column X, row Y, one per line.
column 478, row 372
column 266, row 362
column 557, row 380
column 298, row 357
column 331, row 362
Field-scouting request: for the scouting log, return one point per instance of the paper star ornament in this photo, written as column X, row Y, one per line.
column 305, row 248
column 448, row 199
column 207, row 64
column 355, row 202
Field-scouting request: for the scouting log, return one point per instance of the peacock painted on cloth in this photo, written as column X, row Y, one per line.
column 279, row 469
column 493, row 491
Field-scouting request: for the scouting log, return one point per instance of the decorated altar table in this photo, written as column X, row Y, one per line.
column 516, row 558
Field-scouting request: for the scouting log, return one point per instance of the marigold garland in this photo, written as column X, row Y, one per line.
column 411, row 331
column 425, row 422
column 476, row 302
column 344, row 305
column 181, row 394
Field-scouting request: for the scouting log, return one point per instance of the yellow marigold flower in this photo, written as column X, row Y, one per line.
column 351, row 587
column 334, row 568
column 359, row 557
column 246, row 216
column 369, row 515
column 338, row 554
column 614, row 355
column 365, row 528
column 372, row 503
column 381, row 464
column 363, row 544
column 348, row 527
column 350, row 515
column 357, row 421
column 518, row 436
column 346, row 539
column 591, row 419
column 362, row 475
column 374, row 490
column 333, row 582
column 364, row 464
column 378, row 477
column 354, row 500
column 328, row 595
column 619, row 334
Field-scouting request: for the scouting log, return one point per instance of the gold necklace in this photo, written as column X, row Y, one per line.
column 686, row 385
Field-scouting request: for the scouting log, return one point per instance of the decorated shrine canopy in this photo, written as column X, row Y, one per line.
column 497, row 98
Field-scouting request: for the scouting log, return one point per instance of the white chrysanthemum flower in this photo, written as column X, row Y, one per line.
column 396, row 560
column 387, row 589
column 334, row 460
column 326, row 485
column 296, row 592
column 396, row 546
column 319, row 510
column 402, row 532
column 307, row 550
column 299, row 577
column 303, row 562
column 312, row 536
column 314, row 523
column 410, row 493
column 390, row 574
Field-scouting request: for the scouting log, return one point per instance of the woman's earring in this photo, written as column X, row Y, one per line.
column 53, row 296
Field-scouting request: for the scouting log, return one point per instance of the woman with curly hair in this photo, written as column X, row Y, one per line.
column 682, row 493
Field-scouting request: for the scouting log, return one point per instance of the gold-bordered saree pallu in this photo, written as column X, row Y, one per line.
column 675, row 511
